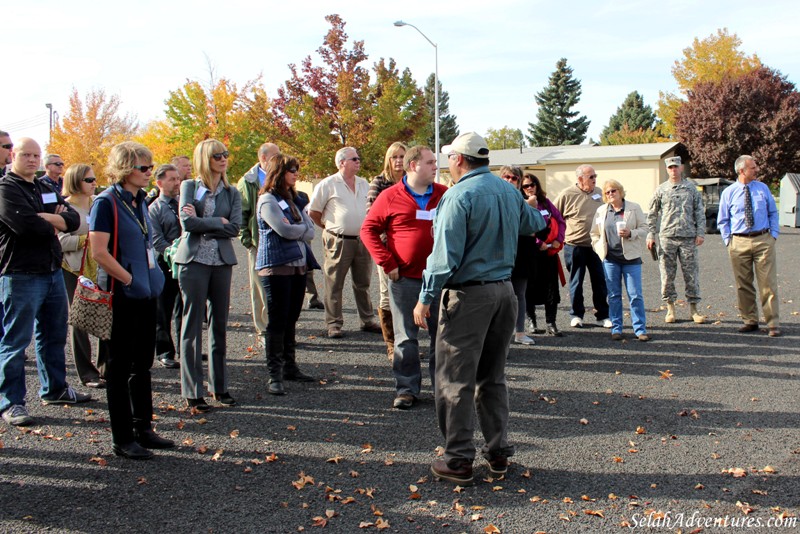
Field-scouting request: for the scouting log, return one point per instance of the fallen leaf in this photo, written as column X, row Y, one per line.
column 744, row 507
column 330, row 514
column 291, row 428
column 234, row 434
column 271, row 458
column 202, row 420
column 491, row 529
column 612, row 497
column 587, row 498
column 736, row 472
column 475, row 517
column 598, row 513
column 366, row 448
column 665, row 375
column 217, row 455
column 319, row 521
column 382, row 524
column 535, row 498
column 99, row 461
column 768, row 469
column 141, row 480
column 567, row 500
column 180, row 424
column 758, row 492
column 335, row 460
column 618, row 460
column 641, row 430
column 365, row 524
column 526, row 473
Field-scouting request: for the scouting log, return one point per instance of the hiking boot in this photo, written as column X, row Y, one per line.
column 460, row 474
column 697, row 317
column 498, row 464
column 404, row 401
column 670, row 317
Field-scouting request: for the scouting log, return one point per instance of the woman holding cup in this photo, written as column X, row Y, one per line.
column 618, row 233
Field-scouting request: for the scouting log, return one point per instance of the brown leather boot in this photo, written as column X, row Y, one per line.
column 387, row 327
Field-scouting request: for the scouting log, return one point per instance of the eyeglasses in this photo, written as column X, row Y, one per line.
column 528, row 186
column 591, row 177
column 292, row 170
column 90, row 180
column 9, row 146
column 218, row 156
column 511, row 178
column 143, row 168
column 353, row 159
column 57, row 163
column 610, row 191
column 450, row 155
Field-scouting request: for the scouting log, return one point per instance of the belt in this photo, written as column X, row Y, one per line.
column 476, row 283
column 342, row 236
column 753, row 234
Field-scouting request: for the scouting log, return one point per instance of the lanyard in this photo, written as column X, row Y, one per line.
column 143, row 228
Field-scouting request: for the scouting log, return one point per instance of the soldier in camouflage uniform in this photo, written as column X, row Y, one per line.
column 677, row 217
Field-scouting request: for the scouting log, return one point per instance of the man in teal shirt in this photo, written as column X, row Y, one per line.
column 475, row 243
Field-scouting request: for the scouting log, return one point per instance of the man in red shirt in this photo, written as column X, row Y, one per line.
column 405, row 212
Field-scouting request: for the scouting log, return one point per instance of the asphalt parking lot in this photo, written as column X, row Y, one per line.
column 698, row 425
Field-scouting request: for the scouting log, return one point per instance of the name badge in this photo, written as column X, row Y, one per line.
column 596, row 196
column 49, row 198
column 89, row 220
column 426, row 215
column 283, row 205
column 545, row 213
column 200, row 193
column 151, row 258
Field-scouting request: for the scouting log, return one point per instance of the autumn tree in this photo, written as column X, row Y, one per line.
column 757, row 113
column 633, row 115
column 90, row 128
column 505, row 137
column 556, row 123
column 239, row 118
column 626, row 136
column 448, row 127
column 708, row 60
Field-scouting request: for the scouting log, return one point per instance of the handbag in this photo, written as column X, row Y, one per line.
column 169, row 256
column 91, row 306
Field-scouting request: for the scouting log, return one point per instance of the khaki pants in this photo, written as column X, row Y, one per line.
column 343, row 255
column 258, row 298
column 757, row 254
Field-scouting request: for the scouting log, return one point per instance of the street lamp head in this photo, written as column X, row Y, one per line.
column 400, row 23
column 49, row 106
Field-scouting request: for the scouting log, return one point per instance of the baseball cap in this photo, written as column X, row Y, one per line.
column 469, row 144
column 669, row 162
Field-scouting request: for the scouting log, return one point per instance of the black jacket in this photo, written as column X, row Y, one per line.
column 28, row 243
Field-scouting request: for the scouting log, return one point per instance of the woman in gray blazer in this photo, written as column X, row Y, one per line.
column 211, row 214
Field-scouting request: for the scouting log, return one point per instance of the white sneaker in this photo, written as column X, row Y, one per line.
column 605, row 323
column 522, row 339
column 577, row 322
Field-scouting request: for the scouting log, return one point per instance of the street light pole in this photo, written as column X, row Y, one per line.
column 50, row 107
column 400, row 23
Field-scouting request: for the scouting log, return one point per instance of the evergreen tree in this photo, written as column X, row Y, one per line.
column 448, row 128
column 556, row 124
column 632, row 114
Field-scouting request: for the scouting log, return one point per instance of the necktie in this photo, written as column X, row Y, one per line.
column 748, row 208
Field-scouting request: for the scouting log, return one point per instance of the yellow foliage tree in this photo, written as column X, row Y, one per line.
column 626, row 136
column 89, row 129
column 708, row 60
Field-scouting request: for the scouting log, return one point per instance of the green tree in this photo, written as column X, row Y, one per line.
column 448, row 127
column 633, row 114
column 91, row 127
column 626, row 136
column 708, row 60
column 505, row 137
column 757, row 113
column 556, row 124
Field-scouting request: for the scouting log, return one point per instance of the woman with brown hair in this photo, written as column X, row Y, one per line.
column 79, row 185
column 121, row 242
column 282, row 261
column 392, row 173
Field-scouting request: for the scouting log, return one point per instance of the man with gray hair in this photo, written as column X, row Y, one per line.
column 578, row 205
column 339, row 205
column 748, row 224
column 677, row 217
column 249, row 186
column 5, row 151
column 54, row 171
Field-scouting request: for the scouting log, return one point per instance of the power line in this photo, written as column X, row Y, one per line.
column 36, row 120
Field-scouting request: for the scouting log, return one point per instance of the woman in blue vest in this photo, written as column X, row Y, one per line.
column 211, row 214
column 136, row 280
column 282, row 261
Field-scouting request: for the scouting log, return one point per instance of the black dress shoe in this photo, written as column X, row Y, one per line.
column 225, row 399
column 276, row 388
column 298, row 376
column 553, row 330
column 749, row 327
column 132, row 451
column 199, row 405
column 169, row 363
column 316, row 306
column 150, row 440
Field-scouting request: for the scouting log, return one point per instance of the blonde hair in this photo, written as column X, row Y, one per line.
column 73, row 178
column 614, row 185
column 394, row 148
column 201, row 161
column 123, row 157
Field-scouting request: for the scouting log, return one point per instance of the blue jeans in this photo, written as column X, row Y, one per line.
column 578, row 260
column 403, row 296
column 32, row 303
column 632, row 274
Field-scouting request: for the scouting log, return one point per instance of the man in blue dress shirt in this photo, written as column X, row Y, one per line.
column 476, row 227
column 748, row 223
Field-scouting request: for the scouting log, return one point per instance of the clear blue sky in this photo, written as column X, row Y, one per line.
column 493, row 56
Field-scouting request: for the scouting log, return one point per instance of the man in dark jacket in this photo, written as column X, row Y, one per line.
column 32, row 288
